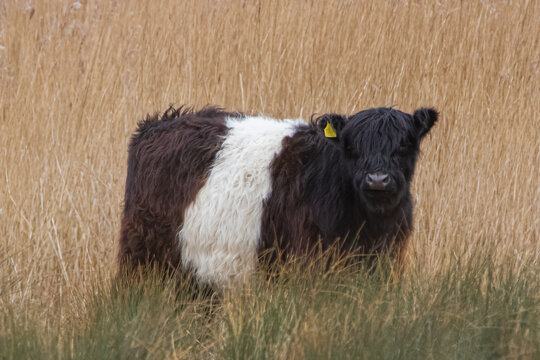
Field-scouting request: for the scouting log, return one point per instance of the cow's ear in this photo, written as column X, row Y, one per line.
column 424, row 119
column 331, row 125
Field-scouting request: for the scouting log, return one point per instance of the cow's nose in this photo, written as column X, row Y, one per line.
column 377, row 181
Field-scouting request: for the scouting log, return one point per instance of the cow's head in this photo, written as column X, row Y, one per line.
column 379, row 148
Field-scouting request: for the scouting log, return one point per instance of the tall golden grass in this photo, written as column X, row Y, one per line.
column 75, row 77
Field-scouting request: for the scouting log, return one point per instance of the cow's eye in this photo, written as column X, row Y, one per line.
column 403, row 150
column 349, row 151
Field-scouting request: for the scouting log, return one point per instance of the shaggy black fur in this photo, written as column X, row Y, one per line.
column 319, row 185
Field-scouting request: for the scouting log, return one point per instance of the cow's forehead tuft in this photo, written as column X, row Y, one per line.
column 379, row 128
column 381, row 118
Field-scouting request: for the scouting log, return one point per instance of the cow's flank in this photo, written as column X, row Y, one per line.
column 168, row 162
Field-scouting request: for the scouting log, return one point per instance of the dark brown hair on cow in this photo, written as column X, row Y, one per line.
column 168, row 159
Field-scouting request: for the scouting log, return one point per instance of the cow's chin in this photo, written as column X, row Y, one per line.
column 380, row 202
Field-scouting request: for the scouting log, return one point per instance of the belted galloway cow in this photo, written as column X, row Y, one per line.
column 209, row 191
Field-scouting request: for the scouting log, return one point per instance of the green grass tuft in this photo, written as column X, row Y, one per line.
column 469, row 310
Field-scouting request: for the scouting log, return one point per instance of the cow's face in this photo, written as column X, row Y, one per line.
column 380, row 147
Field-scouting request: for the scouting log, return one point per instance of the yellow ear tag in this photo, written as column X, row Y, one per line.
column 329, row 131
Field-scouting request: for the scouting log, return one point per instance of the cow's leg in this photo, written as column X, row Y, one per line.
column 150, row 242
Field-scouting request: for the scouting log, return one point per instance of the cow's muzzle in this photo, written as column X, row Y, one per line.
column 378, row 181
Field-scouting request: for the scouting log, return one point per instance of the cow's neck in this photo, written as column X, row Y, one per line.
column 381, row 229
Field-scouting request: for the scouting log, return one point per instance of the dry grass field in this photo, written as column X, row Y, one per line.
column 75, row 77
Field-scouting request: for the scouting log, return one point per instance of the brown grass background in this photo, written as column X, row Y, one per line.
column 74, row 80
